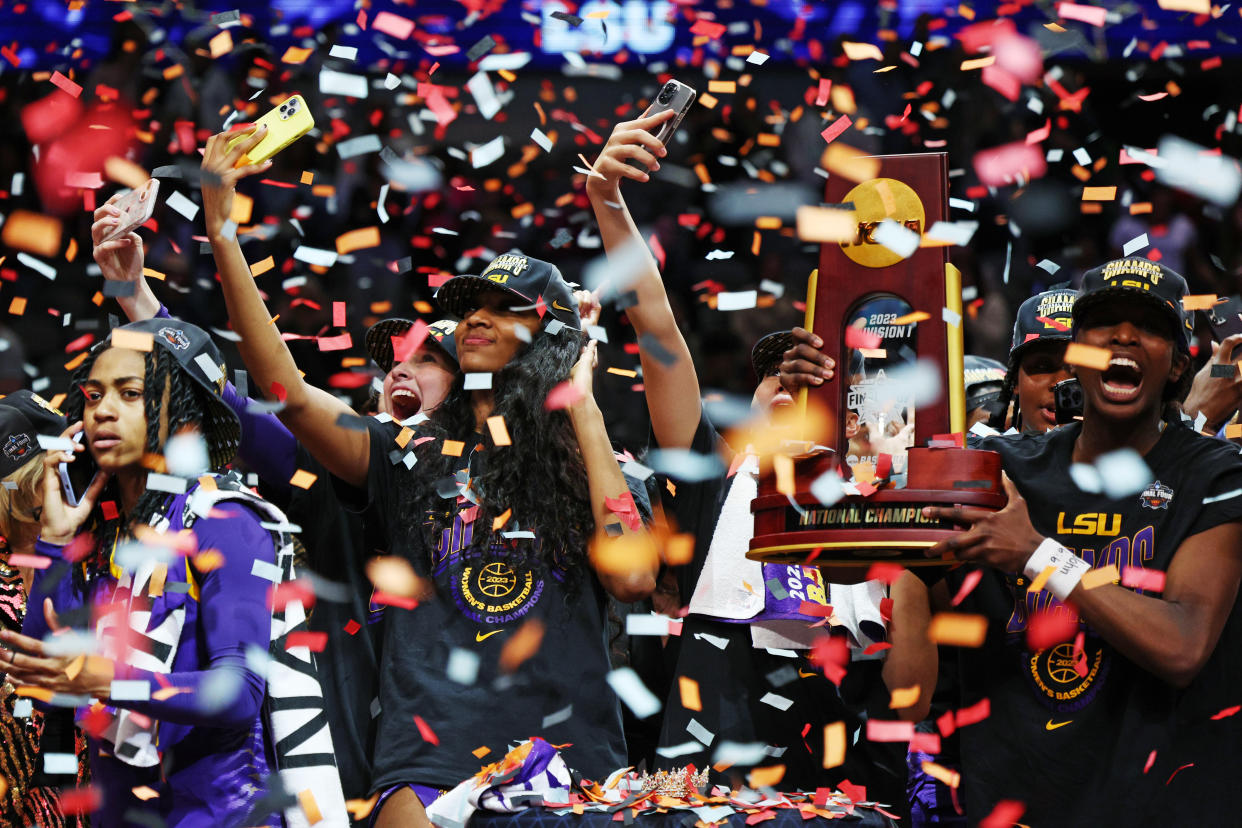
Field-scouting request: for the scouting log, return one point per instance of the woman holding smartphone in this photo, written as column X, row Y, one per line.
column 507, row 501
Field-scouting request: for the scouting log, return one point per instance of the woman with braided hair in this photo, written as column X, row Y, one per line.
column 173, row 570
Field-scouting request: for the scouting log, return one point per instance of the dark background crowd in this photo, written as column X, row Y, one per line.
column 157, row 79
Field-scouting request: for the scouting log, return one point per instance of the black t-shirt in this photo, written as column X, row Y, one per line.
column 482, row 598
column 1072, row 743
column 337, row 546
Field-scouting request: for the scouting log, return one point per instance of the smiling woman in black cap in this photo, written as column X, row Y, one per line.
column 496, row 498
column 1110, row 703
column 186, row 610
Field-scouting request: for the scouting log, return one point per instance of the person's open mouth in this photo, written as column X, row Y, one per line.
column 1122, row 380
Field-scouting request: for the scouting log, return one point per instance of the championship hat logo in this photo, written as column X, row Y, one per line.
column 17, row 446
column 175, row 337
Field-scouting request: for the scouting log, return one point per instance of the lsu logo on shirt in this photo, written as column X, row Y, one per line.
column 1090, row 523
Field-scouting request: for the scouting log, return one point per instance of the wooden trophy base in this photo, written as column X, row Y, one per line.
column 844, row 539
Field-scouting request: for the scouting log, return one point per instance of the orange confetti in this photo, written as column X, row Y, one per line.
column 32, row 232
column 903, row 697
column 1199, row 301
column 689, row 689
column 303, row 479
column 359, row 239
column 501, row 519
column 132, row 340
column 1099, row 193
column 722, row 87
column 480, row 752
column 453, row 448
column 500, row 433
column 243, row 206
column 768, row 777
column 523, row 644
column 296, row 55
column 1088, row 356
column 262, row 266
column 1099, row 577
column 308, row 177
column 834, row 745
column 957, row 629
column 221, row 44
column 18, row 306
column 309, row 807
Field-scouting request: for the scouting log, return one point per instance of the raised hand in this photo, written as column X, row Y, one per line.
column 220, row 174
column 629, row 139
column 121, row 258
column 805, row 364
column 1217, row 398
column 60, row 521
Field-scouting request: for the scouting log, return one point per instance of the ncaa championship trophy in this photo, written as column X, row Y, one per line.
column 890, row 323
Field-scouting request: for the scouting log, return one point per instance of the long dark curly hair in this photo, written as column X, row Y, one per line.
column 184, row 405
column 540, row 477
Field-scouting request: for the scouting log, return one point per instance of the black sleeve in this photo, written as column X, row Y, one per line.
column 691, row 501
column 376, row 496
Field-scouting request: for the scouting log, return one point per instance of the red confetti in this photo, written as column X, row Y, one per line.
column 1179, row 770
column 80, row 801
column 856, row 793
column 975, row 713
column 877, row 646
column 340, row 342
column 389, row 600
column 1151, row 760
column 313, row 641
column 1002, row 165
column 623, row 506
column 425, row 731
column 886, row 572
column 1136, row 577
column 817, row 610
column 298, row 590
column 1226, row 713
column 707, row 28
column 108, row 507
column 925, row 742
column 969, row 582
column 834, row 131
column 404, row 345
column 1004, row 815
column 352, row 627
column 338, row 314
column 879, row 730
column 825, row 87
column 562, row 396
column 65, row 85
column 1047, row 629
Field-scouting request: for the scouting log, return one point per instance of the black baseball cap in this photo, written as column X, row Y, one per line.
column 24, row 415
column 1044, row 317
column 1144, row 279
column 378, row 340
column 516, row 273
column 198, row 356
column 768, row 352
column 984, row 380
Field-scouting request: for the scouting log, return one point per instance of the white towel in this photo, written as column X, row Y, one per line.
column 721, row 590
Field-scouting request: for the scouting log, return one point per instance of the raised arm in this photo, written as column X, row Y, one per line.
column 912, row 660
column 309, row 412
column 267, row 447
column 623, row 555
column 671, row 385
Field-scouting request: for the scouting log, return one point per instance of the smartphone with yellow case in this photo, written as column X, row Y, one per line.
column 285, row 124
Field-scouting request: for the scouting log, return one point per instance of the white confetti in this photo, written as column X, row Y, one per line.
column 646, row 624
column 950, row 317
column 360, row 145
column 60, row 764
column 631, row 690
column 463, row 666
column 344, row 52
column 477, row 381
column 130, row 690
column 342, row 83
column 699, row 732
column 266, row 571
column 1123, row 473
column 39, row 267
column 165, row 483
column 480, row 86
column 1188, row 166
column 901, row 240
column 736, row 300
column 779, row 702
column 1135, row 244
column 209, row 368
column 673, row 751
column 176, row 201
column 758, row 58
column 953, row 232
column 315, row 256
column 541, row 139
column 715, row 640
column 391, row 81
column 485, row 154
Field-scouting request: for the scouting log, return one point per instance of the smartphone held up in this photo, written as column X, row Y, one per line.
column 286, row 123
column 675, row 96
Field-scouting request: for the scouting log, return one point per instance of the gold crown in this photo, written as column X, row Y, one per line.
column 680, row 783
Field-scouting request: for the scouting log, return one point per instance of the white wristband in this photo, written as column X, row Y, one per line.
column 1068, row 568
